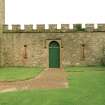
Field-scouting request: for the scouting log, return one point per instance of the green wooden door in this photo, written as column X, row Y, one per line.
column 54, row 55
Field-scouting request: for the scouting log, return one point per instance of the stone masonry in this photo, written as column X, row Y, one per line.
column 30, row 47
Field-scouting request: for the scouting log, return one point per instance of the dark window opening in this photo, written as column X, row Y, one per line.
column 25, row 45
column 25, row 51
column 83, row 45
column 83, row 51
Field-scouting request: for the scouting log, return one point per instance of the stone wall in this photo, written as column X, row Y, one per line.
column 2, row 12
column 93, row 48
column 29, row 47
column 35, row 46
column 2, row 21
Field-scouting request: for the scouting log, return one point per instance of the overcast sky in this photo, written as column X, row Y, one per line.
column 54, row 11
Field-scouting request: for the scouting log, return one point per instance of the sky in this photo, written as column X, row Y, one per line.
column 54, row 11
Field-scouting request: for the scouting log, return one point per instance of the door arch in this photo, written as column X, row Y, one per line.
column 54, row 55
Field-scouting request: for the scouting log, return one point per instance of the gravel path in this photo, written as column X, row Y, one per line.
column 50, row 78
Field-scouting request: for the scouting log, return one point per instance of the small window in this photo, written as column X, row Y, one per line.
column 25, row 51
column 25, row 45
column 83, row 51
column 83, row 45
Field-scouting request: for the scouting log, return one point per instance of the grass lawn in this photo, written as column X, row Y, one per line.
column 86, row 87
column 18, row 73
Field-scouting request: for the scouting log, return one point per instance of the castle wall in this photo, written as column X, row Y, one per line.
column 14, row 50
column 2, row 21
column 93, row 49
column 29, row 47
column 77, row 48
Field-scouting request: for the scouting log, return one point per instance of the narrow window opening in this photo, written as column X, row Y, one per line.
column 83, row 51
column 25, row 45
column 25, row 51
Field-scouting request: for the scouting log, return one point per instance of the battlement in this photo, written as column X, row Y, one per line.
column 40, row 28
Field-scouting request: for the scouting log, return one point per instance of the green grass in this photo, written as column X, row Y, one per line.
column 85, row 88
column 18, row 73
column 77, row 69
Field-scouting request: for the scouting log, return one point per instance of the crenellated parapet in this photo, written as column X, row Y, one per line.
column 40, row 28
column 77, row 27
column 16, row 28
column 28, row 28
column 89, row 27
column 101, row 27
column 65, row 27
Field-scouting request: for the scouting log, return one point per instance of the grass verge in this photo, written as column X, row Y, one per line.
column 18, row 73
column 85, row 88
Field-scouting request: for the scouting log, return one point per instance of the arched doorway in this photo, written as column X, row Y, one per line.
column 54, row 55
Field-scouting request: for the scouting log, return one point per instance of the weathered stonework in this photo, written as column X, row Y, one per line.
column 101, row 27
column 2, row 21
column 2, row 12
column 30, row 47
column 89, row 27
column 37, row 48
